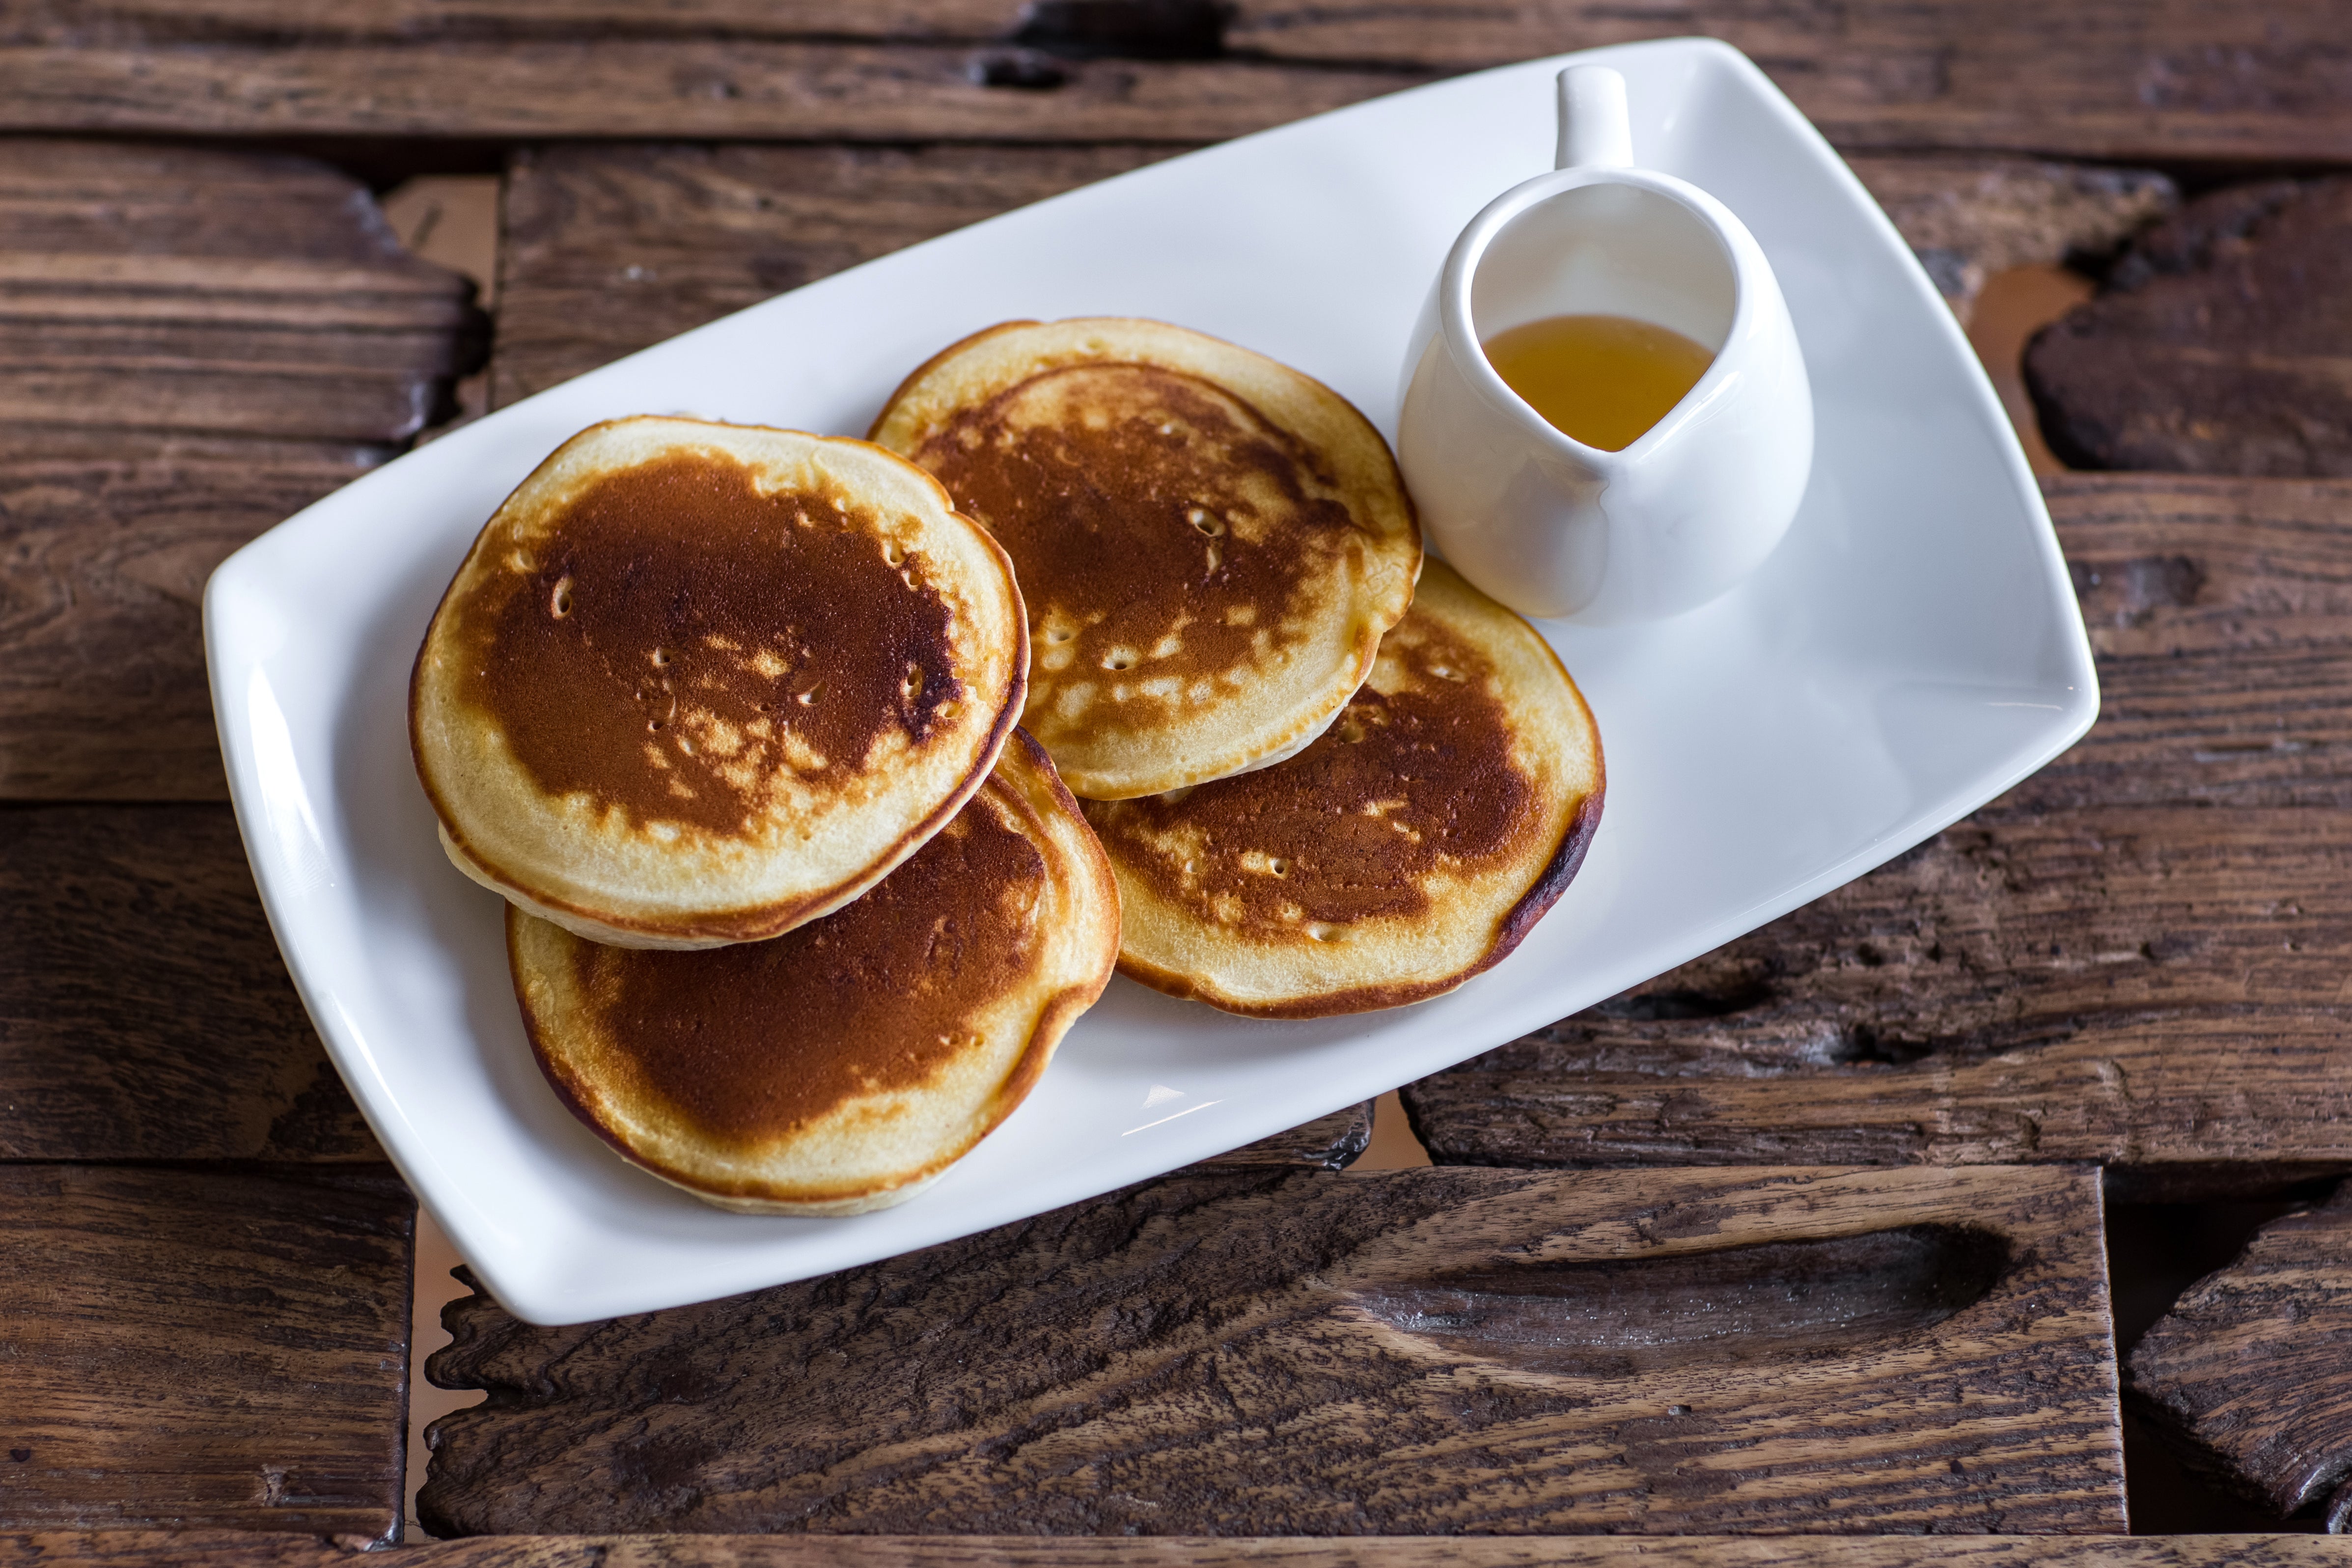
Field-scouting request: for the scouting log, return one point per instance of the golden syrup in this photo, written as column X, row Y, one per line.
column 1601, row 379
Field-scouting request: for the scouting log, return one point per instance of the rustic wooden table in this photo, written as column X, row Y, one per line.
column 1837, row 1230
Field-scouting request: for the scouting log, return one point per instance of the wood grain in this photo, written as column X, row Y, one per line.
column 215, row 293
column 2107, row 80
column 2110, row 79
column 2222, row 344
column 1246, row 1352
column 106, row 540
column 697, row 87
column 2135, row 957
column 185, row 1346
column 194, row 345
column 2247, row 1371
column 144, row 1013
column 200, row 1549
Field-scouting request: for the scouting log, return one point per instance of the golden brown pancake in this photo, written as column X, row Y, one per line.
column 1410, row 848
column 1210, row 544
column 845, row 1065
column 697, row 684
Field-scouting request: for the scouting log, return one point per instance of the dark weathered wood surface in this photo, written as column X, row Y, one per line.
column 214, row 293
column 195, row 1549
column 2105, row 78
column 1327, row 1143
column 2251, row 1370
column 183, row 1347
column 144, row 1012
column 106, row 540
column 1969, row 218
column 193, row 345
column 1236, row 1352
column 2220, row 345
column 610, row 248
column 2132, row 959
column 2135, row 957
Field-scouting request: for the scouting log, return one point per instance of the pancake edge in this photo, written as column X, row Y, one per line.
column 723, row 927
column 1060, row 1011
column 1511, row 930
column 1104, row 785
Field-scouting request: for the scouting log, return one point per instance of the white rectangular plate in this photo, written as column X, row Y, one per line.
column 1912, row 651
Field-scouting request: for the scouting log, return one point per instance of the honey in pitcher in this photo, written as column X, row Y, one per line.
column 1600, row 380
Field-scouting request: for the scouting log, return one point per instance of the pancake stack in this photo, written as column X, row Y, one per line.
column 727, row 716
column 796, row 916
column 1215, row 552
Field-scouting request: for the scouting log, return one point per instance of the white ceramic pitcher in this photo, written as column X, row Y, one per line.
column 1546, row 524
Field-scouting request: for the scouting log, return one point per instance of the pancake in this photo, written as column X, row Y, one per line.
column 845, row 1066
column 1410, row 848
column 1210, row 544
column 696, row 684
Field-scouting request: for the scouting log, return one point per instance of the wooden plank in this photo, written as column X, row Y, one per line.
column 293, row 22
column 2249, row 1370
column 697, row 88
column 2109, row 79
column 215, row 293
column 134, row 201
column 185, row 1347
column 2126, row 81
column 1431, row 1351
column 105, row 544
column 2135, row 957
column 607, row 249
column 193, row 344
column 2112, row 79
column 144, row 1013
column 2222, row 344
column 195, row 1549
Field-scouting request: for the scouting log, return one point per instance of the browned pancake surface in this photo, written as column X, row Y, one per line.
column 753, row 1042
column 692, row 637
column 697, row 684
column 845, row 1064
column 1411, row 846
column 1164, row 532
column 1210, row 544
column 1406, row 782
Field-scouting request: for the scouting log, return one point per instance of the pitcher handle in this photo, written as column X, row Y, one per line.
column 1594, row 129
